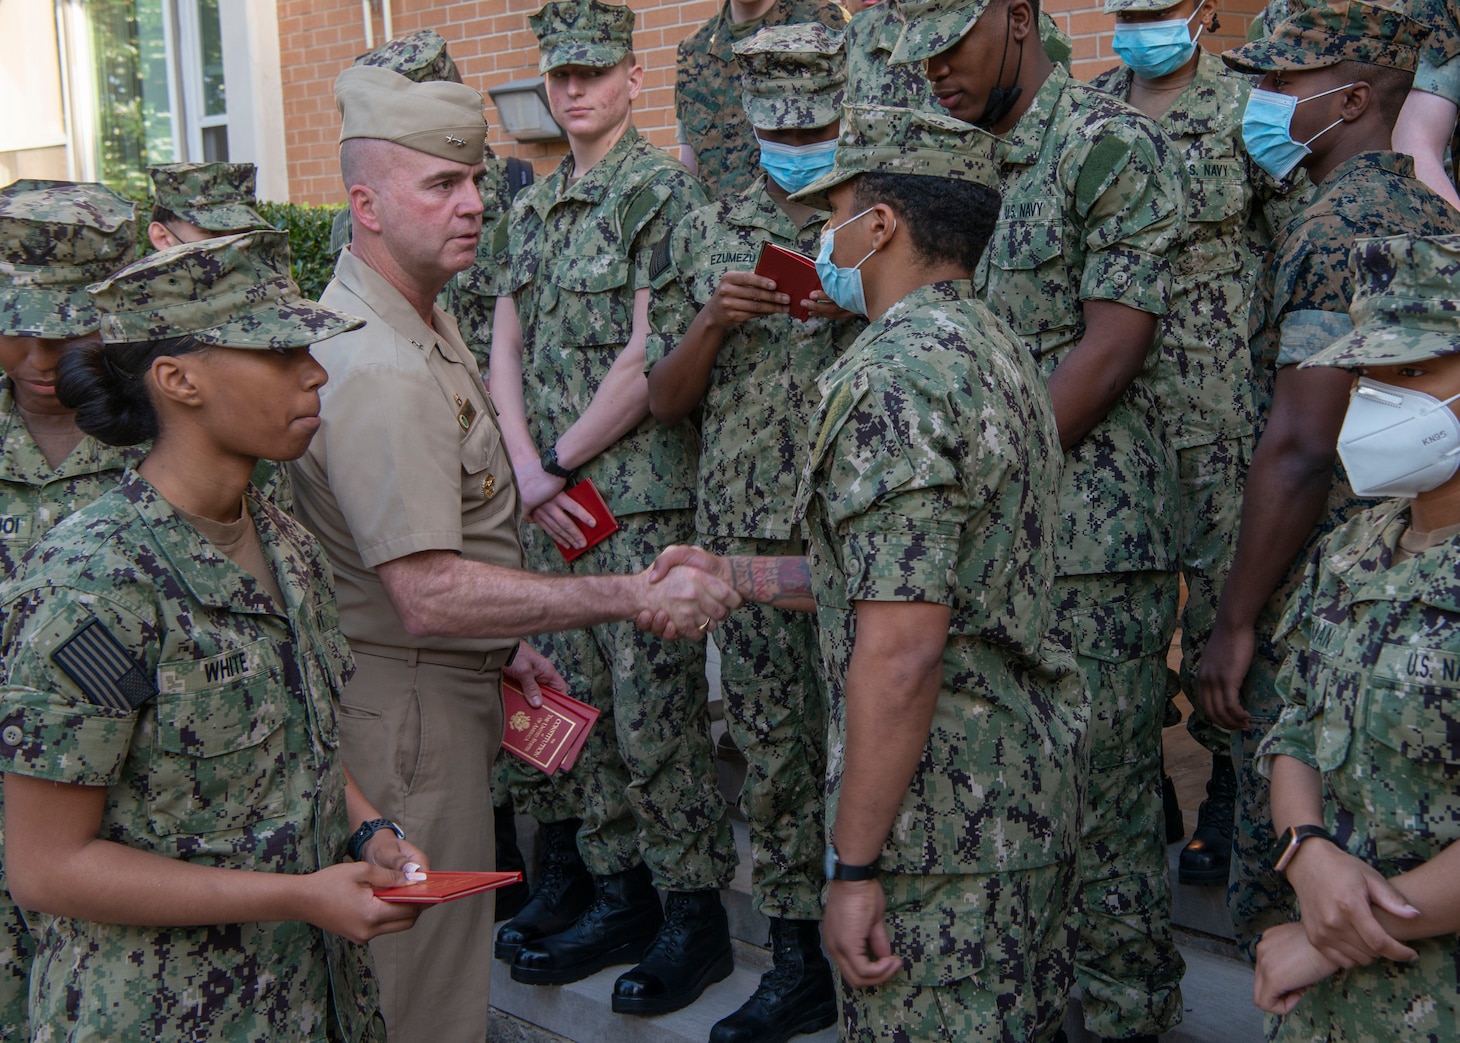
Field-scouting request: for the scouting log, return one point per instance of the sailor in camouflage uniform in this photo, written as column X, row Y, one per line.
column 193, row 201
column 175, row 794
column 724, row 341
column 956, row 743
column 55, row 238
column 567, row 377
column 1093, row 203
column 1349, row 65
column 1204, row 378
column 1365, row 758
column 716, row 140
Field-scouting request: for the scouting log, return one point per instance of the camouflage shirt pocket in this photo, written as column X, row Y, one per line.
column 219, row 759
column 1421, row 723
column 1028, row 277
column 593, row 302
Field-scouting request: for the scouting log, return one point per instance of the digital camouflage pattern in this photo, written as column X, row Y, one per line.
column 217, row 197
column 1127, row 963
column 870, row 39
column 1093, row 206
column 775, row 713
column 753, row 425
column 762, row 391
column 878, row 139
column 1203, row 380
column 1332, row 32
column 420, row 56
column 791, row 76
column 233, row 291
column 231, row 762
column 1438, row 71
column 1369, row 686
column 582, row 32
column 1405, row 306
column 932, row 26
column 645, row 784
column 1092, row 209
column 580, row 251
column 707, row 99
column 33, row 497
column 1010, row 979
column 56, row 237
column 1301, row 307
column 932, row 476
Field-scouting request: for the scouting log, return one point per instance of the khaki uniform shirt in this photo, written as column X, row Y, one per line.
column 1093, row 200
column 409, row 457
column 139, row 658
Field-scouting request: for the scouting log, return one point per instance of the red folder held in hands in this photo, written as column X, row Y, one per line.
column 447, row 887
column 795, row 275
column 587, row 494
column 550, row 736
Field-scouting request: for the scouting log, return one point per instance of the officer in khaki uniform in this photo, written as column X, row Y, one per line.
column 56, row 237
column 193, row 201
column 411, row 492
column 1365, row 757
column 753, row 369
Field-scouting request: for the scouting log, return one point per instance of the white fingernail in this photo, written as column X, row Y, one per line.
column 415, row 878
column 410, row 867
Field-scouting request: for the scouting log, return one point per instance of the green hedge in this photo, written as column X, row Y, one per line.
column 309, row 239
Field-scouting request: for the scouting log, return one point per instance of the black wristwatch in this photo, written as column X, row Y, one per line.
column 368, row 829
column 551, row 466
column 1289, row 840
column 836, row 869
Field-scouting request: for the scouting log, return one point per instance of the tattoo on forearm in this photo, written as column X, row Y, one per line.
column 771, row 580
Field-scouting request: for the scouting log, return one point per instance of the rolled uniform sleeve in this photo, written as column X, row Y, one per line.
column 397, row 473
column 1439, row 62
column 50, row 727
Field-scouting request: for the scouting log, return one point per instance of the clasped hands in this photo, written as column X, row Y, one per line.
column 686, row 592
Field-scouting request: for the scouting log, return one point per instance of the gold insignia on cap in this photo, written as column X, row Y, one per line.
column 489, row 486
column 452, row 139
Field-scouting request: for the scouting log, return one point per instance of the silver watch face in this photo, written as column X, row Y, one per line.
column 831, row 861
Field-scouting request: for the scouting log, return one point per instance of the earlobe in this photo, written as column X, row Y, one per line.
column 362, row 207
column 1021, row 19
column 636, row 81
column 171, row 377
column 1356, row 101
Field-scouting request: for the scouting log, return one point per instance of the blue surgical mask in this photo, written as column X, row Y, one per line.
column 842, row 285
column 1153, row 49
column 1266, row 134
column 793, row 167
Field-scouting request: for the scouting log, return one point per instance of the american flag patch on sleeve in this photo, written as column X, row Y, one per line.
column 102, row 669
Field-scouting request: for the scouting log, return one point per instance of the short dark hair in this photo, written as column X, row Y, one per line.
column 1390, row 86
column 949, row 220
column 162, row 215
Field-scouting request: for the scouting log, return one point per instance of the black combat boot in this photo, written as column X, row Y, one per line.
column 617, row 928
column 564, row 890
column 512, row 898
column 1171, row 810
column 796, row 995
column 691, row 951
column 1205, row 860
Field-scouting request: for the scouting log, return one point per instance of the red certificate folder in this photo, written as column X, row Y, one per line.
column 549, row 737
column 587, row 494
column 795, row 274
column 447, row 887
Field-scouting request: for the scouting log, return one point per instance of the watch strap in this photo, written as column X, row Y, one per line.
column 836, row 869
column 551, row 466
column 1291, row 839
column 368, row 828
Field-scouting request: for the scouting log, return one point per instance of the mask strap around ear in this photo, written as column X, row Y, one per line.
column 876, row 248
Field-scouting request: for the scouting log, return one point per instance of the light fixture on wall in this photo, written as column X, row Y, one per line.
column 523, row 106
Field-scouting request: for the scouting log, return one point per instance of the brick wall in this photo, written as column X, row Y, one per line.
column 491, row 43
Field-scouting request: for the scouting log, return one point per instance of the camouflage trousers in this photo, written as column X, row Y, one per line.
column 1258, row 896
column 989, row 958
column 1415, row 1002
column 1212, row 479
column 775, row 710
column 645, row 784
column 1127, row 964
column 17, row 950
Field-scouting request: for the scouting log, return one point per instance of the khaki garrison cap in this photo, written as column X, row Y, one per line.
column 233, row 291
column 1328, row 33
column 441, row 119
column 876, row 138
column 217, row 197
column 421, row 57
column 1406, row 305
column 582, row 32
column 56, row 237
column 791, row 76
